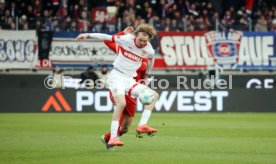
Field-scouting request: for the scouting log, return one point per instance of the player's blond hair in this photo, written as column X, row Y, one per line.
column 146, row 29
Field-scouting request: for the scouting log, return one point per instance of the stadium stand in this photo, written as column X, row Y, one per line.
column 166, row 15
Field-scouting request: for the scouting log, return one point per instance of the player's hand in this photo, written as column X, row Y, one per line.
column 128, row 30
column 146, row 76
column 143, row 66
column 81, row 37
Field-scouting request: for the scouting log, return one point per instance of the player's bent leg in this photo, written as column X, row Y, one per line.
column 142, row 126
column 151, row 106
column 106, row 137
column 120, row 105
column 126, row 124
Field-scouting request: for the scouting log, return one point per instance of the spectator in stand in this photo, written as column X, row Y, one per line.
column 167, row 24
column 55, row 6
column 201, row 25
column 269, row 17
column 261, row 24
column 31, row 17
column 149, row 13
column 13, row 10
column 83, row 23
column 38, row 25
column 7, row 15
column 174, row 26
column 210, row 9
column 56, row 25
column 37, row 8
column 127, row 21
column 2, row 7
column 155, row 21
column 243, row 22
column 228, row 20
column 273, row 27
column 241, row 11
column 47, row 25
column 7, row 21
column 21, row 10
column 193, row 10
column 23, row 23
column 190, row 22
column 73, row 26
column 213, row 21
column 133, row 12
column 29, row 12
column 131, row 15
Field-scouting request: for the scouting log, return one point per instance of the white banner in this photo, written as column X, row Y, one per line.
column 18, row 49
column 228, row 50
column 90, row 51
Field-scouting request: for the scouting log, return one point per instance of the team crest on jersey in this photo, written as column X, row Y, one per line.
column 224, row 47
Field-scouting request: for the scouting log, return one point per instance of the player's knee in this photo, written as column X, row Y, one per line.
column 121, row 104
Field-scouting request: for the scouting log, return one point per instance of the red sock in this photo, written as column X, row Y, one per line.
column 107, row 136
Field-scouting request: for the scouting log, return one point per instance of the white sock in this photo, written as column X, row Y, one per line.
column 145, row 117
column 114, row 129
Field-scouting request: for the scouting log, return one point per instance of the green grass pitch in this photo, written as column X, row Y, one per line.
column 182, row 138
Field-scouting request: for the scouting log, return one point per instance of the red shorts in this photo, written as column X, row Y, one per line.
column 130, row 104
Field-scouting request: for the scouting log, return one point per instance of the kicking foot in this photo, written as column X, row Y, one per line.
column 104, row 141
column 145, row 129
column 115, row 142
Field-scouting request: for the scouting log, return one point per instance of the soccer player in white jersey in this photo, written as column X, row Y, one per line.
column 132, row 49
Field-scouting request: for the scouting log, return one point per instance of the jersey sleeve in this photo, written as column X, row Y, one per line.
column 121, row 39
column 112, row 45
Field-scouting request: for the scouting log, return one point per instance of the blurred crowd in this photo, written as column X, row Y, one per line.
column 165, row 15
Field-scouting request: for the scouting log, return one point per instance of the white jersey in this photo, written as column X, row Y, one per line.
column 130, row 57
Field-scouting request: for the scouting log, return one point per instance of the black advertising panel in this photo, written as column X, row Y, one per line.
column 244, row 94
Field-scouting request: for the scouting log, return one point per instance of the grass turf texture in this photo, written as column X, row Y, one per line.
column 182, row 138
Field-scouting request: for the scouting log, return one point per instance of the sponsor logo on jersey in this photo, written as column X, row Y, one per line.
column 131, row 56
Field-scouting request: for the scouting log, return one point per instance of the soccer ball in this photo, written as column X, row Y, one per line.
column 146, row 96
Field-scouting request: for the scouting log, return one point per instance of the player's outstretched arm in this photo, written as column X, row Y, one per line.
column 94, row 35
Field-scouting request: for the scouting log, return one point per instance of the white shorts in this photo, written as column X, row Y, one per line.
column 121, row 84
